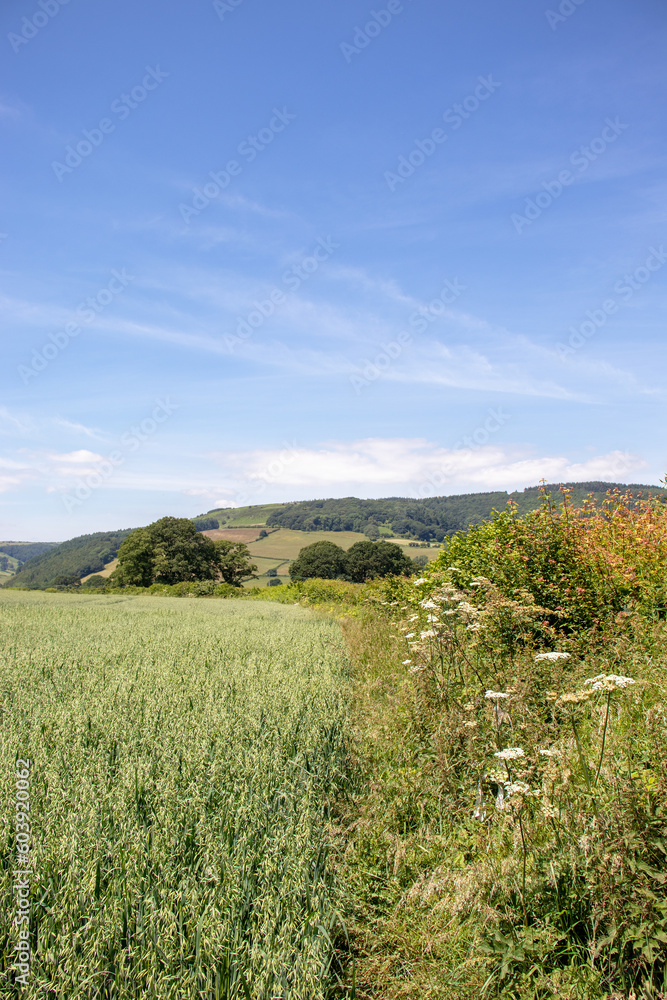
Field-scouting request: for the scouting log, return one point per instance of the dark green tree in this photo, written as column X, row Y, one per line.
column 233, row 560
column 171, row 550
column 321, row 559
column 367, row 560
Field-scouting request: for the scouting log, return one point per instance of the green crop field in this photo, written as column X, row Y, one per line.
column 286, row 543
column 183, row 758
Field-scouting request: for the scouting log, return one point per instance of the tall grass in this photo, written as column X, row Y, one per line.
column 509, row 832
column 185, row 756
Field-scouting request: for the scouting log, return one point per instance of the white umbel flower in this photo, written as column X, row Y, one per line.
column 509, row 753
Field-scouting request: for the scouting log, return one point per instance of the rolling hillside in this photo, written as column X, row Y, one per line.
column 77, row 557
column 291, row 526
column 13, row 555
column 431, row 519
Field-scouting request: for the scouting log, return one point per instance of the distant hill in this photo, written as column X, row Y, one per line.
column 430, row 519
column 22, row 551
column 14, row 554
column 76, row 557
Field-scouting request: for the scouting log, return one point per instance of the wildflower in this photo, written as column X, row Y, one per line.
column 495, row 695
column 413, row 618
column 470, row 725
column 448, row 612
column 467, row 609
column 428, row 604
column 411, row 635
column 552, row 657
column 517, row 787
column 609, row 682
column 432, row 618
column 550, row 753
column 422, row 579
column 406, row 662
column 573, row 699
column 428, row 634
column 509, row 753
column 416, row 670
column 475, row 627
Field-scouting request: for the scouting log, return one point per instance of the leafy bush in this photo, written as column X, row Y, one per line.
column 584, row 566
column 544, row 729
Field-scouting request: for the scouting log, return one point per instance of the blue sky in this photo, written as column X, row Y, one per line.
column 255, row 252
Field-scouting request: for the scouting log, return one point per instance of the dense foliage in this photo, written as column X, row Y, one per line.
column 206, row 523
column 513, row 838
column 171, row 551
column 433, row 518
column 585, row 566
column 363, row 561
column 77, row 557
column 369, row 560
column 184, row 758
column 22, row 551
column 323, row 560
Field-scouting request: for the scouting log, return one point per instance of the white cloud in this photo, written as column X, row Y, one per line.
column 82, row 456
column 414, row 466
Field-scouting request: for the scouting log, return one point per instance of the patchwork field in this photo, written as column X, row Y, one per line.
column 244, row 535
column 286, row 543
column 183, row 755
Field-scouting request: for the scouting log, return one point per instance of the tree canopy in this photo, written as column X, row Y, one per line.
column 368, row 560
column 363, row 561
column 171, row 551
column 324, row 560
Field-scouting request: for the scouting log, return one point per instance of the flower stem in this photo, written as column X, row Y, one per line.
column 587, row 773
column 604, row 737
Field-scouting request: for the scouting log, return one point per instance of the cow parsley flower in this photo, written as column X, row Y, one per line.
column 509, row 753
column 552, row 657
column 495, row 695
column 609, row 682
column 573, row 699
